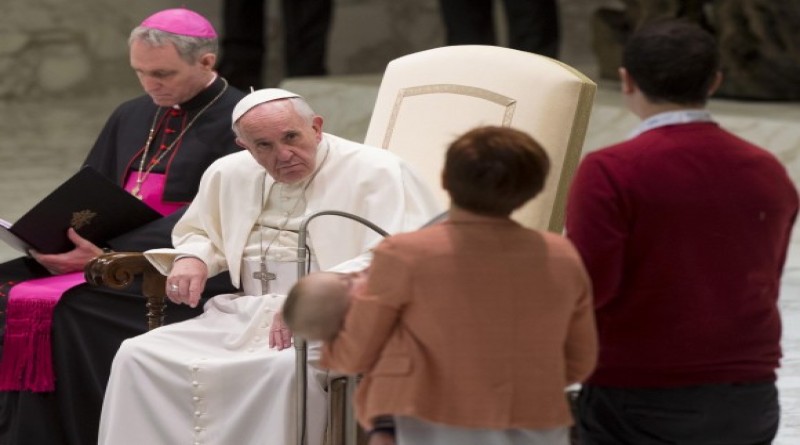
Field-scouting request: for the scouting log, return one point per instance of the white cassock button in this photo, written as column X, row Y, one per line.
column 197, row 413
column 195, row 367
column 197, row 428
column 195, row 398
column 195, row 383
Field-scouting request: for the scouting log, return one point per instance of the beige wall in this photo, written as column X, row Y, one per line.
column 67, row 47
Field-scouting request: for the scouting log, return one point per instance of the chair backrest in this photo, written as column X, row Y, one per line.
column 427, row 99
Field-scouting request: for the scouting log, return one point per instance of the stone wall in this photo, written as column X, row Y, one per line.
column 64, row 48
column 758, row 39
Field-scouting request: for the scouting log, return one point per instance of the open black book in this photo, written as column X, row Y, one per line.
column 95, row 207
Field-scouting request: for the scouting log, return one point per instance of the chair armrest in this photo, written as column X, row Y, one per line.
column 117, row 270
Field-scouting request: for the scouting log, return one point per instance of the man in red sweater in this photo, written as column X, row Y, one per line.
column 684, row 229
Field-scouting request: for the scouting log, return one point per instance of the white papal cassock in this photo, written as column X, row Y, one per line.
column 213, row 379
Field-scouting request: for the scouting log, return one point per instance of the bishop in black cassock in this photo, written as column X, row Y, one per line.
column 89, row 323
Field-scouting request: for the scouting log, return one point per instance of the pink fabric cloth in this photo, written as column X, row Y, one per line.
column 152, row 192
column 26, row 361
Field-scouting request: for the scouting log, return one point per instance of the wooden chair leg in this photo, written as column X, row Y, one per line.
column 154, row 289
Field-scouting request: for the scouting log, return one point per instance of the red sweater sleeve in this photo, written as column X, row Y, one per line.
column 597, row 225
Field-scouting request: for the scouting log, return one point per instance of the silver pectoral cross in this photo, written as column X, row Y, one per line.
column 264, row 276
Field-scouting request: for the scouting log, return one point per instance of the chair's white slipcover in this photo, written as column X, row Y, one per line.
column 427, row 99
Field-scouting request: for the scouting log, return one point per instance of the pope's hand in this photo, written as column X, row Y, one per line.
column 280, row 336
column 74, row 260
column 187, row 280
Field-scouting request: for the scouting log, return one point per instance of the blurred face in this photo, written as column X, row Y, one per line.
column 281, row 140
column 165, row 76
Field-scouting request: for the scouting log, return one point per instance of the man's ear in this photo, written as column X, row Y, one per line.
column 208, row 60
column 316, row 124
column 628, row 85
column 715, row 84
column 241, row 143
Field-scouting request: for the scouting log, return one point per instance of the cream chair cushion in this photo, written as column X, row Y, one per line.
column 427, row 99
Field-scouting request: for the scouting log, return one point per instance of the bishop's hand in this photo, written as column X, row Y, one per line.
column 74, row 260
column 186, row 281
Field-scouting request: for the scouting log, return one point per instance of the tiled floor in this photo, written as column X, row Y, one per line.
column 41, row 145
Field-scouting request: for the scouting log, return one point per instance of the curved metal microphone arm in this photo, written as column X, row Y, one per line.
column 301, row 350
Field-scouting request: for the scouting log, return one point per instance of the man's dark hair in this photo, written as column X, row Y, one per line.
column 494, row 170
column 672, row 61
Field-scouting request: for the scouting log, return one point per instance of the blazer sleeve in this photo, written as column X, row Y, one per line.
column 372, row 317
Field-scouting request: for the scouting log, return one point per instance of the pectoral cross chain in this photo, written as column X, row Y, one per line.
column 264, row 276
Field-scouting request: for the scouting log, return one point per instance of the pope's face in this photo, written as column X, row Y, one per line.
column 281, row 140
column 165, row 76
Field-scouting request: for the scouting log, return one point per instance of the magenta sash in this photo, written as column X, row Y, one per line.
column 152, row 192
column 26, row 363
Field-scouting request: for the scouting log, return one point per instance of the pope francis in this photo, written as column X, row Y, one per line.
column 226, row 377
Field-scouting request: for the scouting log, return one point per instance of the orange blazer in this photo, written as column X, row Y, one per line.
column 476, row 322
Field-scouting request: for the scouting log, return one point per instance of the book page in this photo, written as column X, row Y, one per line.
column 11, row 239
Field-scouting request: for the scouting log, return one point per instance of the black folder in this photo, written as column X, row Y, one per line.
column 95, row 207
